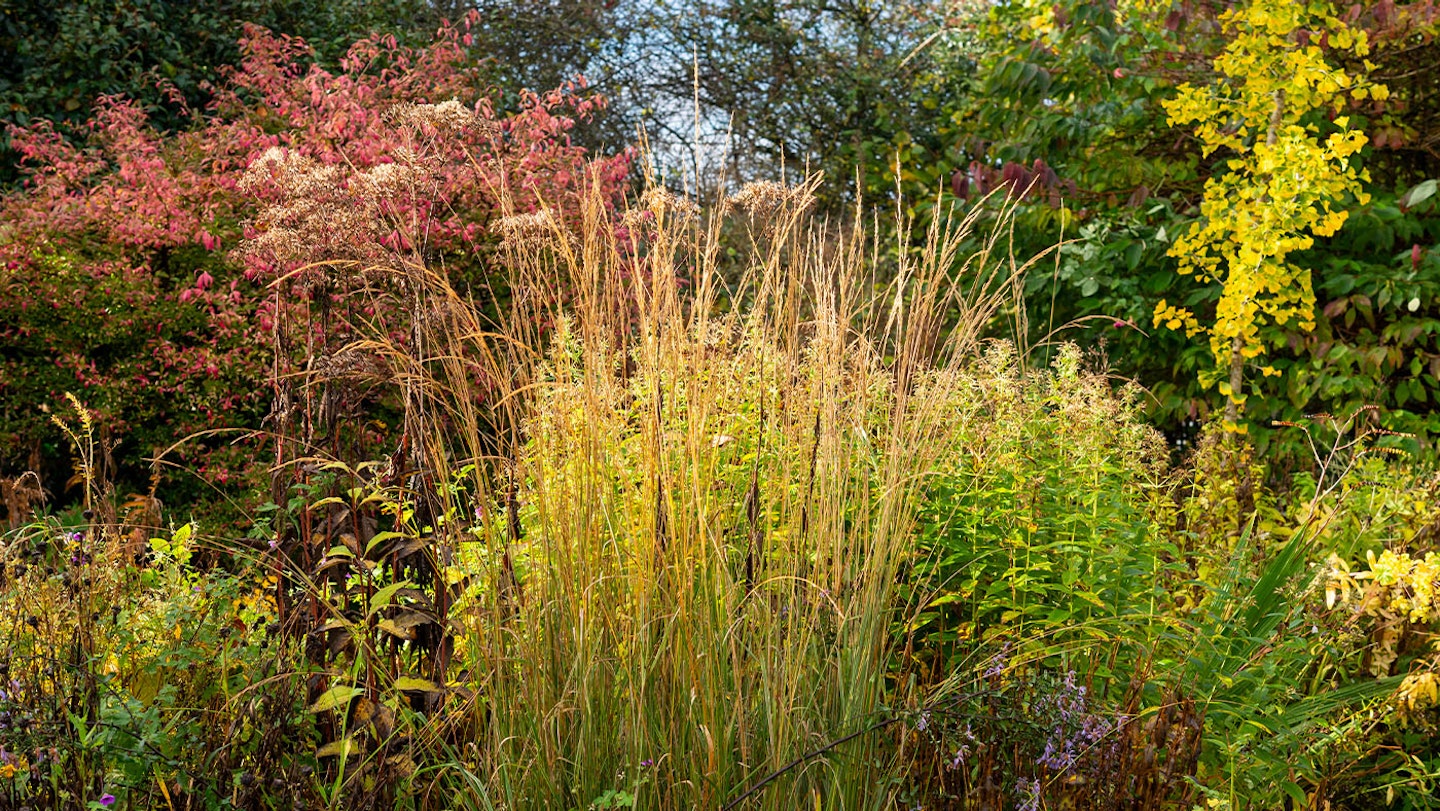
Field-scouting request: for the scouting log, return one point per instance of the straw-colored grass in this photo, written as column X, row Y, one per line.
column 692, row 518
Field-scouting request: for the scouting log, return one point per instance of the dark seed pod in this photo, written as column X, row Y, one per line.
column 247, row 779
column 88, row 515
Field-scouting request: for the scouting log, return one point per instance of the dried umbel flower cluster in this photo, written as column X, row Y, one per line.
column 446, row 117
column 659, row 205
column 314, row 213
column 386, row 181
column 763, row 198
column 667, row 205
column 537, row 227
column 351, row 364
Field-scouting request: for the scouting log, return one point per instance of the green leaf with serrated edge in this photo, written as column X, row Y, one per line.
column 336, row 697
column 383, row 597
column 343, row 748
column 381, row 537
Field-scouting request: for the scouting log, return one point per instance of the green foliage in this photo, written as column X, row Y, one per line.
column 153, row 368
column 56, row 59
column 1044, row 534
column 135, row 681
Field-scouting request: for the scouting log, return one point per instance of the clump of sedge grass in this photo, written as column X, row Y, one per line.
column 692, row 501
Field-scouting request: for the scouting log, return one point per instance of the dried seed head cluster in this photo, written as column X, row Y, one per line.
column 522, row 229
column 351, row 364
column 448, row 117
column 387, row 180
column 763, row 198
column 667, row 205
column 315, row 212
column 660, row 205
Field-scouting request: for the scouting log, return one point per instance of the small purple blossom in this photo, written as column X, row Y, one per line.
column 1029, row 789
column 1078, row 735
column 998, row 662
column 963, row 751
column 647, row 763
column 1059, row 754
column 107, row 800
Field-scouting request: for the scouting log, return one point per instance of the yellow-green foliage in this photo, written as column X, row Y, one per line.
column 1285, row 183
column 711, row 514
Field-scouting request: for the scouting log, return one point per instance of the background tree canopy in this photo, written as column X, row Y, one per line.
column 57, row 58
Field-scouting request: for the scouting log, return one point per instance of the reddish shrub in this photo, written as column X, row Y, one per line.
column 119, row 278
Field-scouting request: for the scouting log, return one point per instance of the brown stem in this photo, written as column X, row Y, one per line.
column 1237, row 379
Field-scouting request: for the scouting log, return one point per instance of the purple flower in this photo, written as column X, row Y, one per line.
column 1030, row 793
column 107, row 800
column 1058, row 755
column 647, row 763
column 963, row 751
column 998, row 662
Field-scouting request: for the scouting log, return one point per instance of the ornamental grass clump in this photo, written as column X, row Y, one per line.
column 657, row 524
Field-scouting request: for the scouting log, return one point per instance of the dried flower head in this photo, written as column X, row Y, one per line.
column 387, row 180
column 762, row 198
column 352, row 364
column 668, row 205
column 519, row 229
column 447, row 116
column 314, row 213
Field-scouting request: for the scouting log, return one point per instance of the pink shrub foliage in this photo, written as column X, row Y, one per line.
column 146, row 271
